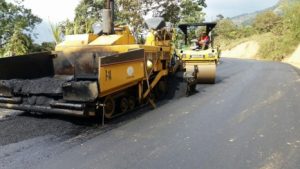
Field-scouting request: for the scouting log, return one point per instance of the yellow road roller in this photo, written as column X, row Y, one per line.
column 198, row 53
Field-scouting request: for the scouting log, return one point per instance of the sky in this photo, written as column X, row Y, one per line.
column 52, row 10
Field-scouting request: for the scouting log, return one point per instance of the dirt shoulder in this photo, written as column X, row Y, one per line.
column 250, row 49
column 294, row 59
column 246, row 50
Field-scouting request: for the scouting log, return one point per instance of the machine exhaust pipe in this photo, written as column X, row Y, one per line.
column 108, row 17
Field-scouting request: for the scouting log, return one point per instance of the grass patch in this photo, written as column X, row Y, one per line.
column 276, row 47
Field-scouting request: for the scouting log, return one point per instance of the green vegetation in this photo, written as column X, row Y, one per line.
column 86, row 13
column 16, row 23
column 277, row 34
column 191, row 11
column 266, row 22
column 228, row 34
column 44, row 47
column 56, row 32
column 132, row 13
column 283, row 37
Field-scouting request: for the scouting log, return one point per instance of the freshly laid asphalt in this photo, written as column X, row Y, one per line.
column 250, row 119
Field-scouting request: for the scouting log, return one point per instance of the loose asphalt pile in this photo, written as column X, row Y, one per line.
column 18, row 127
column 26, row 126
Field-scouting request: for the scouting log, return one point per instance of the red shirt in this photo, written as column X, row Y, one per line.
column 205, row 38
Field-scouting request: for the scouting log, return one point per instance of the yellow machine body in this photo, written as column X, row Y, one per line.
column 209, row 55
column 119, row 75
column 89, row 74
column 144, row 66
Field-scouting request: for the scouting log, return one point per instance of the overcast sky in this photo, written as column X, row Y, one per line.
column 58, row 10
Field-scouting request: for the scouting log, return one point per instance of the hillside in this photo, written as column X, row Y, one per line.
column 246, row 19
column 271, row 37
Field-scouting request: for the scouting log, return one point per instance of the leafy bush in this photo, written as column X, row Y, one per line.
column 284, row 37
column 227, row 34
column 226, row 29
column 291, row 20
column 266, row 22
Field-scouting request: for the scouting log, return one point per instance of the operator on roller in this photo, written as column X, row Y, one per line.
column 203, row 41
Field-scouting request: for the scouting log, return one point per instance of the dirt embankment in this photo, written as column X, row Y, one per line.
column 246, row 50
column 250, row 50
column 295, row 58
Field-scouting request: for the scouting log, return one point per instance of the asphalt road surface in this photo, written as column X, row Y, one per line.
column 250, row 119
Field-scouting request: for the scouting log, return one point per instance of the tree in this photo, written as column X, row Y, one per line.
column 168, row 9
column 191, row 11
column 134, row 12
column 266, row 21
column 130, row 12
column 44, row 47
column 291, row 20
column 16, row 24
column 87, row 13
column 226, row 29
column 67, row 27
column 176, row 11
column 18, row 44
column 56, row 33
column 220, row 17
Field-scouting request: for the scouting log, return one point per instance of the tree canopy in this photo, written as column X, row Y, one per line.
column 266, row 21
column 133, row 13
column 175, row 11
column 291, row 20
column 16, row 25
column 130, row 12
column 87, row 13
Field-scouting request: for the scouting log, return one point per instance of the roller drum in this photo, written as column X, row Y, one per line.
column 205, row 72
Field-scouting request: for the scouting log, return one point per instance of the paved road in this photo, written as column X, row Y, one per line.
column 249, row 120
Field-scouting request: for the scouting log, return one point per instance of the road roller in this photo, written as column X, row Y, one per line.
column 106, row 73
column 198, row 53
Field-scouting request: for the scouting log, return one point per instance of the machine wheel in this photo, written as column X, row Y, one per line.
column 124, row 105
column 110, row 107
column 163, row 87
column 160, row 90
column 131, row 103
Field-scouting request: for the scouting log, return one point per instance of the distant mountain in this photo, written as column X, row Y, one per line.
column 246, row 19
